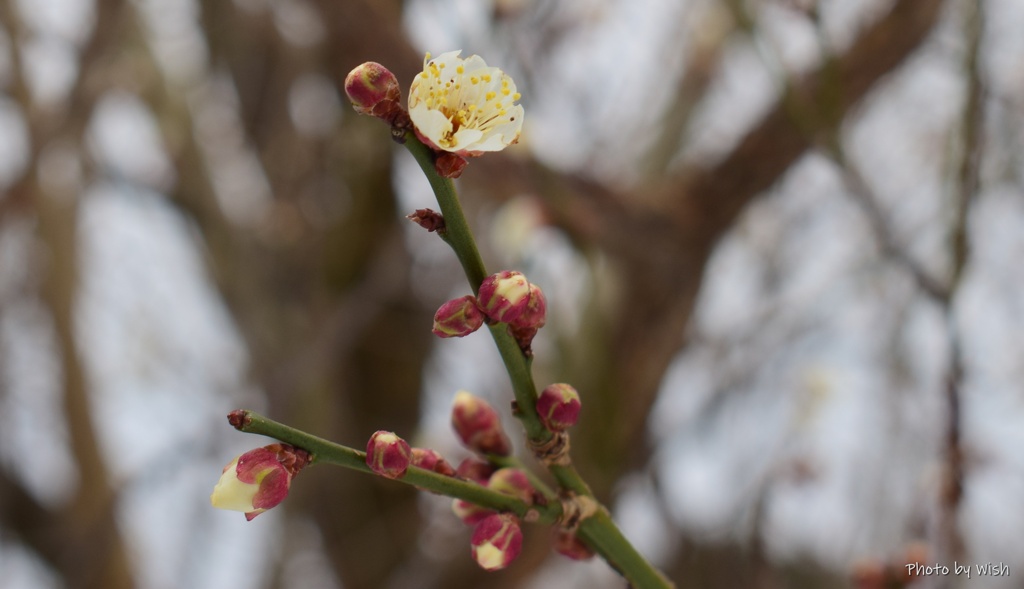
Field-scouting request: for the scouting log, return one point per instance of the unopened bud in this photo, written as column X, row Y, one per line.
column 513, row 482
column 373, row 89
column 388, row 455
column 470, row 513
column 458, row 317
column 475, row 470
column 497, row 541
column 504, row 296
column 568, row 544
column 478, row 425
column 526, row 326
column 428, row 219
column 536, row 310
column 259, row 479
column 432, row 460
column 558, row 407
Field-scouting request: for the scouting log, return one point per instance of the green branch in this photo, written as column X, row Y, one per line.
column 327, row 452
column 598, row 531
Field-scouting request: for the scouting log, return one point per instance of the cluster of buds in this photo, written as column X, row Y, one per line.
column 459, row 108
column 259, row 479
column 479, row 426
column 505, row 297
column 497, row 538
column 508, row 481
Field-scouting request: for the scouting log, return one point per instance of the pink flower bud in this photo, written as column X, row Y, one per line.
column 428, row 459
column 475, row 470
column 497, row 541
column 478, row 425
column 558, row 407
column 535, row 313
column 512, row 482
column 373, row 89
column 526, row 326
column 458, row 318
column 504, row 296
column 259, row 479
column 388, row 455
column 568, row 544
column 470, row 513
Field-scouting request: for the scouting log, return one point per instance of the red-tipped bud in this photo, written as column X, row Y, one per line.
column 478, row 425
column 504, row 296
column 388, row 455
column 534, row 315
column 470, row 513
column 259, row 479
column 558, row 407
column 497, row 541
column 567, row 544
column 458, row 317
column 512, row 482
column 432, row 460
column 475, row 470
column 373, row 89
column 526, row 326
column 449, row 165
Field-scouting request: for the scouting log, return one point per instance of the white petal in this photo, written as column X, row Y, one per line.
column 431, row 123
column 232, row 494
column 465, row 138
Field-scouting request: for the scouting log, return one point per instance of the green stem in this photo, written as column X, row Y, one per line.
column 327, row 452
column 456, row 232
column 458, row 235
column 523, row 388
column 604, row 537
column 598, row 531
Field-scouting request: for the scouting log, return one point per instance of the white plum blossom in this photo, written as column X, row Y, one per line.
column 463, row 106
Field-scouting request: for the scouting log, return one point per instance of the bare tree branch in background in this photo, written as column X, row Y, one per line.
column 84, row 542
column 320, row 286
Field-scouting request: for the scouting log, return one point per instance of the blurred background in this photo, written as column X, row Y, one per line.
column 781, row 242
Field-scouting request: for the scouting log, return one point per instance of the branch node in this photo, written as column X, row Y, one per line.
column 554, row 451
column 239, row 419
column 575, row 509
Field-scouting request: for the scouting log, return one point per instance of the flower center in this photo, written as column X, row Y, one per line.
column 468, row 101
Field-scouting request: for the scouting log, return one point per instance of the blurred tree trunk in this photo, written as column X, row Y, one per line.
column 661, row 243
column 320, row 288
column 337, row 336
column 80, row 540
